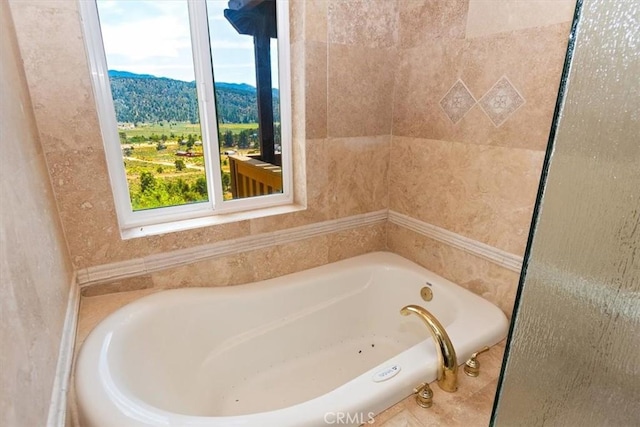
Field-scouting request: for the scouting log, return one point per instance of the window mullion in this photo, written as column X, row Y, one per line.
column 206, row 98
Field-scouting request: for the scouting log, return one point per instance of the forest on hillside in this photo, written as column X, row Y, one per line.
column 148, row 99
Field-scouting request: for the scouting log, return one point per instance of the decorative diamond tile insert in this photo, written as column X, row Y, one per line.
column 457, row 102
column 501, row 101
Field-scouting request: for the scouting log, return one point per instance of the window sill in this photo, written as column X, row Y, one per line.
column 207, row 221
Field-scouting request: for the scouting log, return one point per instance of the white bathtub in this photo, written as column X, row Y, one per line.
column 307, row 349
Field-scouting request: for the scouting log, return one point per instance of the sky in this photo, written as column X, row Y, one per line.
column 152, row 37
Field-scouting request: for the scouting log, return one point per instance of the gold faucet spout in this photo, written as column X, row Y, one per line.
column 447, row 361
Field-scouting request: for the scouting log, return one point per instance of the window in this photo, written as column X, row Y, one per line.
column 193, row 99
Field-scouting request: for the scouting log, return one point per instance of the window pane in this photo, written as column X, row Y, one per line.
column 149, row 57
column 245, row 68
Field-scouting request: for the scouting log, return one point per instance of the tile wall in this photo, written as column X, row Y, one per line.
column 439, row 110
column 35, row 271
column 436, row 110
column 475, row 90
column 342, row 167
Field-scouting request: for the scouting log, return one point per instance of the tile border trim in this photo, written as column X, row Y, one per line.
column 165, row 260
column 482, row 250
column 61, row 381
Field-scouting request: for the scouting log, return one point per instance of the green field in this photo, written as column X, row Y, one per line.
column 157, row 177
column 167, row 128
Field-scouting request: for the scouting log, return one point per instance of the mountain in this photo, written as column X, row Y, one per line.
column 147, row 98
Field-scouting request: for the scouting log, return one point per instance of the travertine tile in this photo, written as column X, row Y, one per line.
column 289, row 258
column 370, row 23
column 296, row 21
column 298, row 90
column 471, row 405
column 358, row 174
column 316, row 20
column 425, row 21
column 424, row 76
column 532, row 60
column 487, row 17
column 35, row 271
column 403, row 419
column 481, row 192
column 484, row 278
column 457, row 102
column 358, row 241
column 123, row 285
column 316, row 90
column 229, row 270
column 74, row 171
column 360, row 90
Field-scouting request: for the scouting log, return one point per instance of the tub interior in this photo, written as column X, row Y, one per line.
column 208, row 357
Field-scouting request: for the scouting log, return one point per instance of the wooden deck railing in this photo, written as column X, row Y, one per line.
column 252, row 177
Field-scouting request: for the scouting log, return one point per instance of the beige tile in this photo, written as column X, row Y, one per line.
column 296, row 21
column 225, row 271
column 360, row 90
column 35, row 270
column 358, row 174
column 389, row 413
column 471, row 405
column 75, row 171
column 403, row 419
column 288, row 258
column 489, row 17
column 50, row 38
column 123, row 285
column 316, row 19
column 484, row 278
column 316, row 90
column 425, row 21
column 424, row 76
column 370, row 23
column 298, row 90
column 299, row 172
column 358, row 241
column 320, row 192
column 489, row 192
column 531, row 59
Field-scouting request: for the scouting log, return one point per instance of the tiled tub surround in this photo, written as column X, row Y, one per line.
column 388, row 267
column 470, row 406
column 370, row 133
column 368, row 78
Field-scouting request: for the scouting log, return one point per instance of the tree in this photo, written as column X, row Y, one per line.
column 243, row 140
column 180, row 165
column 123, row 137
column 201, row 186
column 147, row 182
column 226, row 181
column 228, row 139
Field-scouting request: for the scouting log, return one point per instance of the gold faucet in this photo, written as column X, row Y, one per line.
column 447, row 361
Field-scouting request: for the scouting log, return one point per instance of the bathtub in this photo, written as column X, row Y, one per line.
column 319, row 347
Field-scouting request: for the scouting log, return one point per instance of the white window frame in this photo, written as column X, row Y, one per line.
column 127, row 217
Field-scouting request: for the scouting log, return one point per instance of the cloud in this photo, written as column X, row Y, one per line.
column 162, row 36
